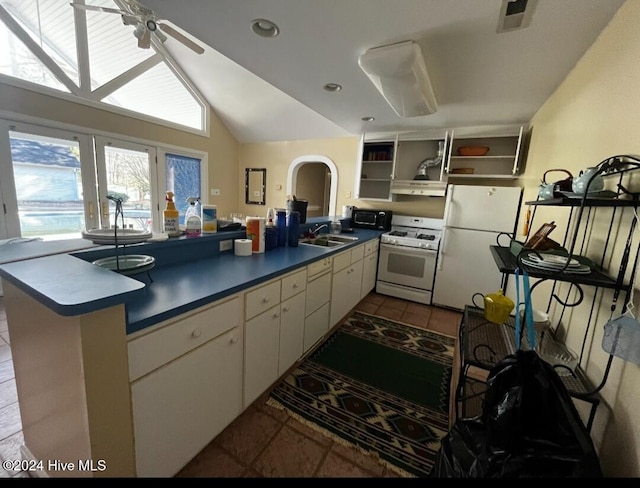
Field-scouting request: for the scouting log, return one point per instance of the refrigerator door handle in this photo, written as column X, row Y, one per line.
column 441, row 247
column 447, row 209
column 447, row 206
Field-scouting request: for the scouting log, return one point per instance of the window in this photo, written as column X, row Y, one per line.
column 56, row 183
column 38, row 45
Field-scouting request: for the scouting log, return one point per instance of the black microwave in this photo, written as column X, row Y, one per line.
column 371, row 219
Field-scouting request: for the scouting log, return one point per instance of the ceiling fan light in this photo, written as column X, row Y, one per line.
column 399, row 73
column 139, row 31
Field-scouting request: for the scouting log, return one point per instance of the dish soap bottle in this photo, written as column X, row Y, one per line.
column 193, row 223
column 170, row 214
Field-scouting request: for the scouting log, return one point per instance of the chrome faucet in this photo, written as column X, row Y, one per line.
column 314, row 232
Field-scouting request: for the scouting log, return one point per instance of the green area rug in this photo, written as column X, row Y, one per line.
column 377, row 384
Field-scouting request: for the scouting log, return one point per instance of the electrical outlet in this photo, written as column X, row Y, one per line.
column 226, row 245
column 348, row 194
column 215, row 192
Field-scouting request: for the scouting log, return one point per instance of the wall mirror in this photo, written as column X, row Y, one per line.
column 255, row 186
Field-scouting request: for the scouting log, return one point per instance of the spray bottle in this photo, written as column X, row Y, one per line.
column 193, row 223
column 170, row 214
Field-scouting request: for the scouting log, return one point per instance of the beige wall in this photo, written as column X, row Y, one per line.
column 221, row 147
column 312, row 181
column 594, row 115
column 278, row 156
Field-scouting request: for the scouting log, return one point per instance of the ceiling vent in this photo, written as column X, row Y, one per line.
column 515, row 14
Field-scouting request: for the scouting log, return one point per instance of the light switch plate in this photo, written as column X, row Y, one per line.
column 215, row 192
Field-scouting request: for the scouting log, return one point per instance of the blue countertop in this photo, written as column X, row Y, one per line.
column 69, row 285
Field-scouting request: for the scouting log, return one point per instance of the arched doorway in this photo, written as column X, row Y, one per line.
column 318, row 165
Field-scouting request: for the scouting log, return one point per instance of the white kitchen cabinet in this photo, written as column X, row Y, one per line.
column 316, row 325
column 291, row 332
column 369, row 267
column 318, row 296
column 503, row 161
column 375, row 168
column 274, row 336
column 346, row 283
column 184, row 397
column 262, row 345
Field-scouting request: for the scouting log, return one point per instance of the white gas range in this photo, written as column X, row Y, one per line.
column 407, row 263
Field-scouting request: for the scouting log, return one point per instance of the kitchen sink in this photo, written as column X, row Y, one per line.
column 327, row 240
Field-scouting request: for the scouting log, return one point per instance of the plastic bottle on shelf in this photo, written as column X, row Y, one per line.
column 170, row 215
column 294, row 228
column 193, row 223
column 281, row 224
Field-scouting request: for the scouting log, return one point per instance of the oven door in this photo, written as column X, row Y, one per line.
column 407, row 266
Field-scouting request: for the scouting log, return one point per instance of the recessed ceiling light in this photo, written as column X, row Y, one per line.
column 332, row 87
column 264, row 28
column 368, row 119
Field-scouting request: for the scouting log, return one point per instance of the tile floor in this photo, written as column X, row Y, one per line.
column 262, row 441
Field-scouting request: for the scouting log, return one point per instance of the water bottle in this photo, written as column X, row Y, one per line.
column 281, row 223
column 294, row 228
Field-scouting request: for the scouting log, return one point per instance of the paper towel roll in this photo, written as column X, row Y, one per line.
column 243, row 247
column 255, row 232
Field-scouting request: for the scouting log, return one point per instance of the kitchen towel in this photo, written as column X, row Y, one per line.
column 243, row 247
column 255, row 232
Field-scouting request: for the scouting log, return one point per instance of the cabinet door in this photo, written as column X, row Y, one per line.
column 262, row 336
column 501, row 161
column 369, row 271
column 179, row 408
column 291, row 332
column 376, row 168
column 318, row 292
column 340, row 295
column 316, row 326
column 345, row 292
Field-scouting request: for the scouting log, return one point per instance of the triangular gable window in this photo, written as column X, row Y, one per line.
column 38, row 45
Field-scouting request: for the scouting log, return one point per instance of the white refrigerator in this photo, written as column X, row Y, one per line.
column 474, row 216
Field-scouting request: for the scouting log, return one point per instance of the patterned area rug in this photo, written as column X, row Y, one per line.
column 380, row 385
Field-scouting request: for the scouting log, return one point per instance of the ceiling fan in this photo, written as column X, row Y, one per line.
column 146, row 23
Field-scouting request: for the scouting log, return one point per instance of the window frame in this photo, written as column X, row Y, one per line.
column 83, row 95
column 89, row 167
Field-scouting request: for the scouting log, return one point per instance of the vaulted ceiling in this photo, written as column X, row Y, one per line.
column 272, row 89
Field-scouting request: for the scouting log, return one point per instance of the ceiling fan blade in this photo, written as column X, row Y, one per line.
column 99, row 9
column 182, row 38
column 145, row 41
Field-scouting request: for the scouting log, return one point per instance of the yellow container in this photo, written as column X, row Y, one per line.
column 497, row 307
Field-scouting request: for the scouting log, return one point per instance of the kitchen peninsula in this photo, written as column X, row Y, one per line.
column 109, row 367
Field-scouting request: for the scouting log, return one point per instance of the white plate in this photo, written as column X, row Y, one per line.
column 580, row 269
column 124, row 236
column 553, row 259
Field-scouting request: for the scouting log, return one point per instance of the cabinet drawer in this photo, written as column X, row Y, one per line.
column 262, row 299
column 293, row 284
column 187, row 332
column 318, row 292
column 318, row 267
column 341, row 261
column 357, row 253
column 371, row 246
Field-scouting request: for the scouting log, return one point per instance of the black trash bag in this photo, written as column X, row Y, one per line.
column 529, row 427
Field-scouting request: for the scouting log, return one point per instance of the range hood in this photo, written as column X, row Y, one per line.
column 419, row 188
